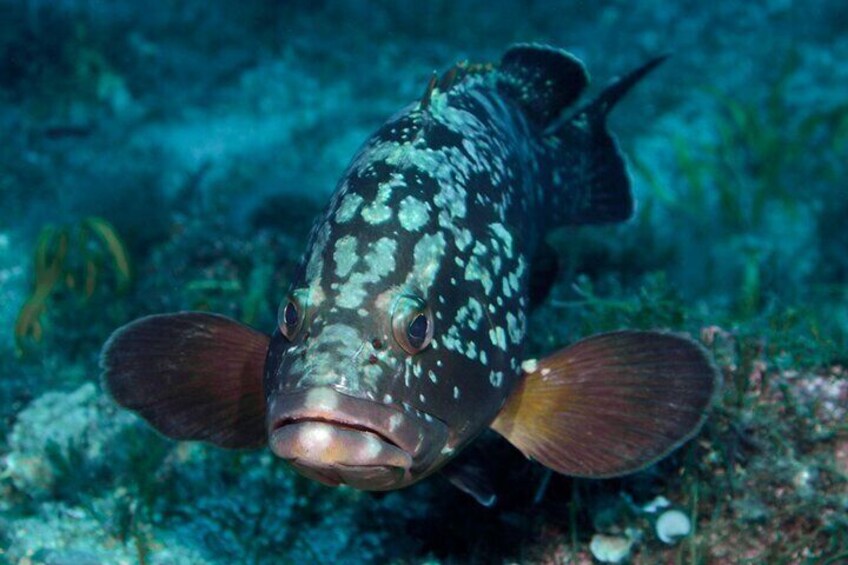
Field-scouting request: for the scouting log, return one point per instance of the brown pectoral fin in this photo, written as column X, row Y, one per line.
column 610, row 404
column 192, row 375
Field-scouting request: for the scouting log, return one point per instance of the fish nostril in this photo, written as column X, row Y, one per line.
column 376, row 343
column 373, row 359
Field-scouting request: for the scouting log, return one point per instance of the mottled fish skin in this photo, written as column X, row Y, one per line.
column 401, row 338
column 444, row 204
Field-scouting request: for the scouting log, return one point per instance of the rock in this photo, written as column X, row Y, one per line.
column 61, row 431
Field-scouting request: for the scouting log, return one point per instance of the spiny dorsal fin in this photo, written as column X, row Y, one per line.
column 452, row 77
column 543, row 80
column 192, row 375
column 428, row 92
column 610, row 404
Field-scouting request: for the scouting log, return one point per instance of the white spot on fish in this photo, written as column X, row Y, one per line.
column 345, row 255
column 507, row 290
column 530, row 366
column 476, row 271
column 380, row 261
column 503, row 234
column 395, row 420
column 471, row 350
column 413, row 214
column 314, row 437
column 427, row 256
column 378, row 212
column 321, row 399
column 515, row 327
column 462, row 239
column 496, row 378
column 316, row 258
column 348, row 207
column 373, row 446
column 498, row 337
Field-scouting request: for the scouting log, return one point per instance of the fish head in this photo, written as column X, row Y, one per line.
column 337, row 403
column 366, row 382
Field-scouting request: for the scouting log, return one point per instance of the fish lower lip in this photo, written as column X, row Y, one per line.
column 328, row 449
column 421, row 438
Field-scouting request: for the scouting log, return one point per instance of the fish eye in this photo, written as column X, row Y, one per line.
column 290, row 315
column 412, row 325
column 416, row 333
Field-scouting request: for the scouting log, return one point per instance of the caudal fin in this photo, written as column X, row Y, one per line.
column 610, row 404
column 192, row 375
column 592, row 185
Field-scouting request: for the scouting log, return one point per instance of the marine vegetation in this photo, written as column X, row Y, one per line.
column 78, row 259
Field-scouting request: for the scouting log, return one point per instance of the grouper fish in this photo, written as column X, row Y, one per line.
column 402, row 336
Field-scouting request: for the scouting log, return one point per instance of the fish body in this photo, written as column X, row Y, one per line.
column 402, row 336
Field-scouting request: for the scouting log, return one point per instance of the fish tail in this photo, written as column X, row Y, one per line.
column 592, row 185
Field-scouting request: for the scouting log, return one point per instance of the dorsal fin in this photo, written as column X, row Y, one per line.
column 543, row 80
column 451, row 78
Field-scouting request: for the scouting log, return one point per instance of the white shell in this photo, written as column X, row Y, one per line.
column 610, row 549
column 672, row 525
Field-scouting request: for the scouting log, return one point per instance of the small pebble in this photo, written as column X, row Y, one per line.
column 610, row 549
column 672, row 525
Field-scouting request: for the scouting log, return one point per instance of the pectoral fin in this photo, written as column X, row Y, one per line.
column 192, row 375
column 610, row 404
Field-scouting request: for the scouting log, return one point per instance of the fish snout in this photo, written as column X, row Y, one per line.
column 339, row 439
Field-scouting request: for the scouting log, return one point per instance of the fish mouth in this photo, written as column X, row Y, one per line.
column 339, row 439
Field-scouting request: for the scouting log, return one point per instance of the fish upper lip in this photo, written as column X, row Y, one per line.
column 404, row 430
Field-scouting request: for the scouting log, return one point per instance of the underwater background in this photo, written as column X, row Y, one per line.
column 172, row 156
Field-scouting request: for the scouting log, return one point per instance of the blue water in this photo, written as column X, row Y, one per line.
column 156, row 158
